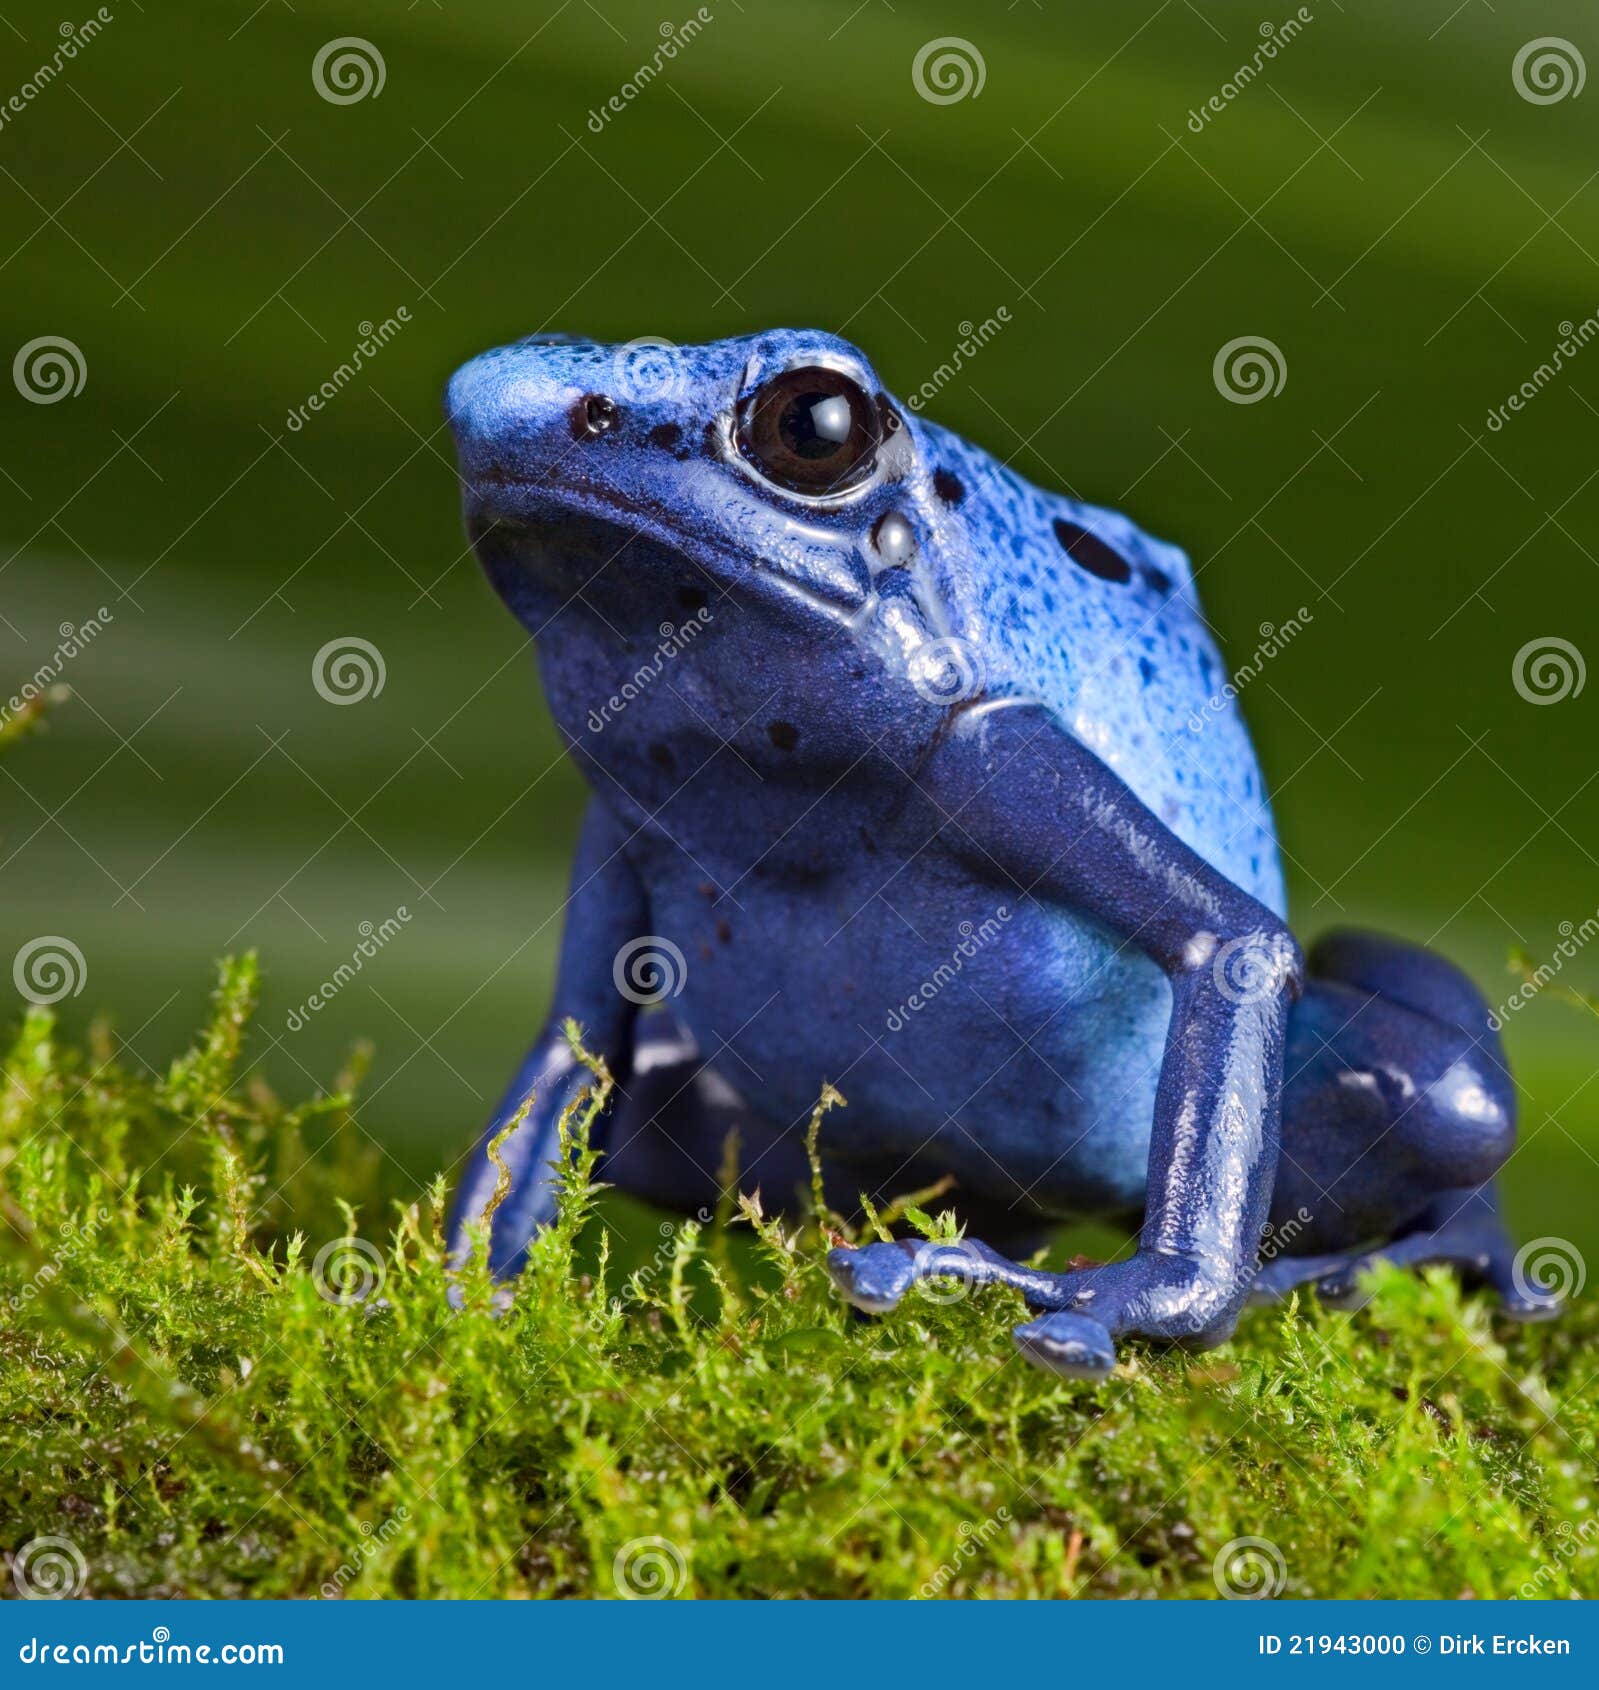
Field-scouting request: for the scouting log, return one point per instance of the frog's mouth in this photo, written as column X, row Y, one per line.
column 550, row 519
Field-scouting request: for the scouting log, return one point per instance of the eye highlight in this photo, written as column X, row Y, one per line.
column 810, row 430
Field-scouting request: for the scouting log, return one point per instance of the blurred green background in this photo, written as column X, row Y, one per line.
column 182, row 205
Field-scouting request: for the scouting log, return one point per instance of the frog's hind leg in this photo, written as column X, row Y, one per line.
column 1398, row 1110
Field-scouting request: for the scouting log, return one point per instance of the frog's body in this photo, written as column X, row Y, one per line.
column 909, row 775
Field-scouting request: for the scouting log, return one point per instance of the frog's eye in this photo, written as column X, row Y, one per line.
column 810, row 430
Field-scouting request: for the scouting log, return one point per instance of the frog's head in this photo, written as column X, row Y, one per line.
column 767, row 487
column 772, row 467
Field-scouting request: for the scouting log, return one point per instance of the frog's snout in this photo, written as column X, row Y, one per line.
column 498, row 405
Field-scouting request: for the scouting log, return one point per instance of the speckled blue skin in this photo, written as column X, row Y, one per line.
column 921, row 805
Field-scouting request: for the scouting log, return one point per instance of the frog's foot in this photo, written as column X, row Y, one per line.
column 1075, row 1346
column 876, row 1277
column 1064, row 1341
column 1462, row 1231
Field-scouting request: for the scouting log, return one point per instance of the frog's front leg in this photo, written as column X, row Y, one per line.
column 606, row 909
column 1027, row 801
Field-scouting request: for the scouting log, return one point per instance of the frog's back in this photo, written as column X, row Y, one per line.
column 1077, row 606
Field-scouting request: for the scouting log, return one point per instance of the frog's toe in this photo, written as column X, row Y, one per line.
column 1073, row 1345
column 874, row 1278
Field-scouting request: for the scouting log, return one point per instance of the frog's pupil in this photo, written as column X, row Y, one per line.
column 817, row 424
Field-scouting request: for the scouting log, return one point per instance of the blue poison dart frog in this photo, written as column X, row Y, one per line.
column 910, row 775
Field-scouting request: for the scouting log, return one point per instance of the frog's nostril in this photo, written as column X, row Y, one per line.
column 594, row 415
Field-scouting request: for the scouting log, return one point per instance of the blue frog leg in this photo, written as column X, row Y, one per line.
column 1034, row 808
column 606, row 909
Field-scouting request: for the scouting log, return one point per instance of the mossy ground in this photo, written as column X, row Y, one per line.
column 181, row 1400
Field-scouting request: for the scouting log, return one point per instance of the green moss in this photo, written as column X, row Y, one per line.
column 230, row 1366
